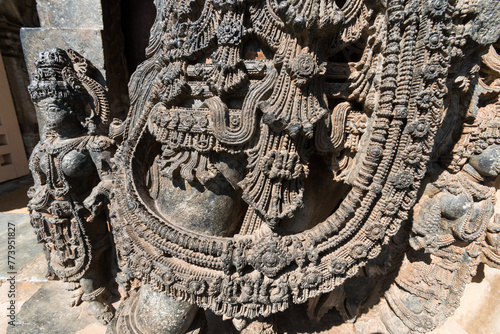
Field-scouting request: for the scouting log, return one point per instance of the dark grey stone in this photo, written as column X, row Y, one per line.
column 70, row 13
column 158, row 313
column 87, row 42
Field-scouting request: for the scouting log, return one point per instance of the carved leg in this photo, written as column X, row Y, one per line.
column 94, row 286
column 150, row 312
column 94, row 283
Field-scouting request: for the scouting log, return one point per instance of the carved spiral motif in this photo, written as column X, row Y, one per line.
column 303, row 68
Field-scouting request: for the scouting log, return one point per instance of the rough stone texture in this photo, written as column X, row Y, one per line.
column 368, row 91
column 62, row 14
column 479, row 306
column 31, row 268
column 43, row 302
column 30, row 264
column 93, row 30
column 157, row 314
column 25, row 240
column 87, row 42
column 71, row 170
column 477, row 313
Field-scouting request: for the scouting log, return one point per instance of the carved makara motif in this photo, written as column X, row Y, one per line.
column 273, row 148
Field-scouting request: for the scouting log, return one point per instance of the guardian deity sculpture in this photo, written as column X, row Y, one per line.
column 278, row 152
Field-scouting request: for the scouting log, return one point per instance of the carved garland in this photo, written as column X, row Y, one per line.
column 262, row 273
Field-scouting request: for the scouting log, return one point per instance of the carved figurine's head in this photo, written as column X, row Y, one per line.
column 486, row 157
column 57, row 91
column 479, row 145
column 487, row 163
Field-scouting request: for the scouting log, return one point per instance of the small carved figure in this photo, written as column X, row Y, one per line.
column 299, row 132
column 71, row 167
column 450, row 225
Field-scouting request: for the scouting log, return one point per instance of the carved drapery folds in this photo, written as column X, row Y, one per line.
column 246, row 114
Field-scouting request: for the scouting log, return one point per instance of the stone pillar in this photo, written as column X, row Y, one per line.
column 92, row 29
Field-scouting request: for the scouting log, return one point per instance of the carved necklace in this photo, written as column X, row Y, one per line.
column 55, row 152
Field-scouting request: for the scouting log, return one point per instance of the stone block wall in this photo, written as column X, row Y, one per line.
column 81, row 26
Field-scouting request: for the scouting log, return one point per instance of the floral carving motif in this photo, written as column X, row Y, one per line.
column 337, row 266
column 269, row 257
column 229, row 32
column 304, row 67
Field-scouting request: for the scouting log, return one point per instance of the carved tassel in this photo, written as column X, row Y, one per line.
column 297, row 101
column 275, row 184
column 228, row 72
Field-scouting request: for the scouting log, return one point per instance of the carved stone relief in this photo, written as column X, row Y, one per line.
column 278, row 151
column 71, row 167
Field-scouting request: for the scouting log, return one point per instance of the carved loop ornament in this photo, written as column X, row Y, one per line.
column 302, row 93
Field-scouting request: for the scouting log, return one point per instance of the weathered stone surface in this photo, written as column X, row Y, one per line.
column 71, row 169
column 157, row 313
column 43, row 302
column 70, row 14
column 25, row 240
column 87, row 42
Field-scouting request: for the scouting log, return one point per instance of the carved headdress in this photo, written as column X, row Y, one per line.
column 54, row 77
column 64, row 76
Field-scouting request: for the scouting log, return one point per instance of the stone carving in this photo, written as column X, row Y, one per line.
column 452, row 229
column 72, row 171
column 275, row 148
column 452, row 219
